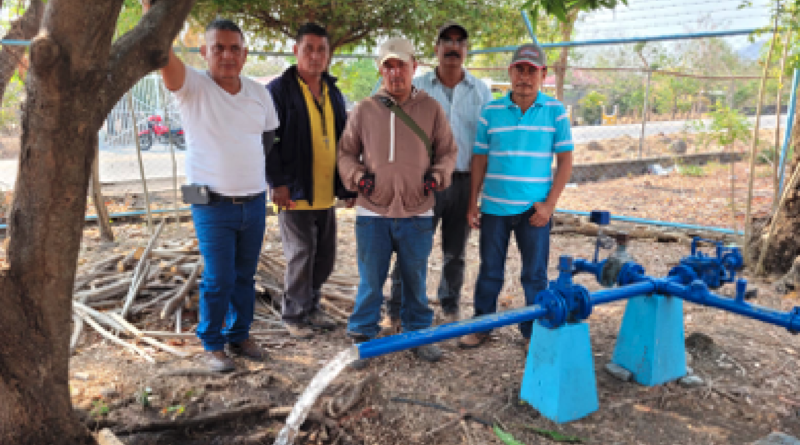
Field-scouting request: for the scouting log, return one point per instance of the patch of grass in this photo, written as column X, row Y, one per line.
column 99, row 408
column 691, row 170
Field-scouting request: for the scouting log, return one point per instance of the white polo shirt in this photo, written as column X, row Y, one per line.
column 223, row 133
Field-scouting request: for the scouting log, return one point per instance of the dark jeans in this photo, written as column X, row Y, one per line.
column 451, row 209
column 534, row 248
column 309, row 245
column 230, row 237
column 376, row 239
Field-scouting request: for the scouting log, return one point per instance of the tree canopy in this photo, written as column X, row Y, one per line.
column 359, row 24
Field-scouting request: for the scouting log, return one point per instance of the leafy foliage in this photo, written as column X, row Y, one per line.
column 356, row 77
column 360, row 24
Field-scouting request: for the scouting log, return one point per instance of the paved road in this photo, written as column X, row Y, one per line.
column 119, row 164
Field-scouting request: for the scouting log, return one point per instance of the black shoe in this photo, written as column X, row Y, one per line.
column 320, row 320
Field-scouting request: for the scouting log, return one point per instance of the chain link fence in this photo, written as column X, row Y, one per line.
column 668, row 142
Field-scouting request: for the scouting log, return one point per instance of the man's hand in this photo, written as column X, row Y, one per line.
column 542, row 215
column 350, row 202
column 281, row 198
column 146, row 4
column 430, row 183
column 474, row 216
column 366, row 185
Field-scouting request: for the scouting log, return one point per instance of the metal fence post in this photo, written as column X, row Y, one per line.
column 644, row 112
column 789, row 124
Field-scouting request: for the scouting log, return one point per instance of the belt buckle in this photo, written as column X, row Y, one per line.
column 237, row 200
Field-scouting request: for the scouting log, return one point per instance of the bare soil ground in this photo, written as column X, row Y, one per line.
column 627, row 147
column 750, row 372
column 700, row 195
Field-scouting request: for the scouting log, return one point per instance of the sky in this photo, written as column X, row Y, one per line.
column 659, row 17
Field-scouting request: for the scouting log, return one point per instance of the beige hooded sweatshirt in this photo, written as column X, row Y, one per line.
column 377, row 141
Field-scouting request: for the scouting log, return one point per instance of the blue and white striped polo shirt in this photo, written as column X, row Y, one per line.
column 520, row 152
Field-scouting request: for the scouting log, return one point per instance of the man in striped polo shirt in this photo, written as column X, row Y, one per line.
column 518, row 136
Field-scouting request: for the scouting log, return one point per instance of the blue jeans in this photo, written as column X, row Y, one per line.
column 230, row 237
column 534, row 247
column 376, row 239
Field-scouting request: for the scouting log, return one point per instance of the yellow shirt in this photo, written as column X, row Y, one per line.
column 323, row 141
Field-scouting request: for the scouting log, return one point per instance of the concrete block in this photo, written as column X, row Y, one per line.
column 559, row 378
column 651, row 340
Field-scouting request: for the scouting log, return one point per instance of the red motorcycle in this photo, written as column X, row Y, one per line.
column 156, row 132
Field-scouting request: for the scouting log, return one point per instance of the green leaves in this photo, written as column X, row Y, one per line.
column 561, row 9
column 555, row 436
column 506, row 437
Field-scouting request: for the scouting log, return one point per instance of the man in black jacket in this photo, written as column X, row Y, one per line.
column 301, row 170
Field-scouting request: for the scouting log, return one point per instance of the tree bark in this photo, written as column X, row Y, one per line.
column 784, row 245
column 76, row 77
column 560, row 66
column 24, row 28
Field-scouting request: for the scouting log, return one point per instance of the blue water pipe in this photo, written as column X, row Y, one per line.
column 787, row 139
column 394, row 343
column 657, row 223
column 124, row 214
column 528, row 25
column 564, row 302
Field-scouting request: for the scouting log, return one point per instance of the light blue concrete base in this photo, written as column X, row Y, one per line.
column 651, row 340
column 559, row 376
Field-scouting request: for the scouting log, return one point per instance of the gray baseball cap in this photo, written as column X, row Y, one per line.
column 529, row 53
column 451, row 24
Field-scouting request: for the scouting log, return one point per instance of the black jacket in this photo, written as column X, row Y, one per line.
column 290, row 162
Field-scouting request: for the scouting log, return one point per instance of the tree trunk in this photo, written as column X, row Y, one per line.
column 106, row 233
column 784, row 245
column 24, row 28
column 560, row 66
column 76, row 77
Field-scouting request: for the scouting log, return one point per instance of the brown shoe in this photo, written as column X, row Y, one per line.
column 470, row 341
column 298, row 330
column 218, row 361
column 248, row 349
column 321, row 320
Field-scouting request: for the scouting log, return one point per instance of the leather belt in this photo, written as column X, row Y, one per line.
column 216, row 197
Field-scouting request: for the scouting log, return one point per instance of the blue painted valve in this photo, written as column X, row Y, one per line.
column 718, row 270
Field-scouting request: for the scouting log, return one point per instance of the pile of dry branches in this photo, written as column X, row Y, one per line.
column 161, row 279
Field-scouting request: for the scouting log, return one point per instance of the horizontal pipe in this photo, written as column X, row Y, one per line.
column 656, row 222
column 124, row 215
column 629, row 40
column 586, row 266
column 623, row 292
column 704, row 297
column 507, row 49
column 408, row 340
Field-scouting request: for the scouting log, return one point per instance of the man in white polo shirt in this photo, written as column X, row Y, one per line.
column 518, row 137
column 225, row 117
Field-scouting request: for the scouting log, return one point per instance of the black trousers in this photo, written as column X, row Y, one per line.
column 309, row 245
column 451, row 211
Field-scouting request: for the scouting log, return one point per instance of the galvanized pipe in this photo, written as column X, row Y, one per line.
column 408, row 340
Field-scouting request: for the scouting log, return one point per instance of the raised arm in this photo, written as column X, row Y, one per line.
column 174, row 73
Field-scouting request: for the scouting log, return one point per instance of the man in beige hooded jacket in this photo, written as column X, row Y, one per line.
column 389, row 165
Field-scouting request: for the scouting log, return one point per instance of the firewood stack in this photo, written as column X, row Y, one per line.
column 161, row 279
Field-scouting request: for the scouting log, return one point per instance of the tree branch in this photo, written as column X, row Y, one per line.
column 143, row 49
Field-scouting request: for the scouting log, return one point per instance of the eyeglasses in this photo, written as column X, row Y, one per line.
column 453, row 43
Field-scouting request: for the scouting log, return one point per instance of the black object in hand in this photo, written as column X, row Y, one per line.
column 366, row 185
column 430, row 183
